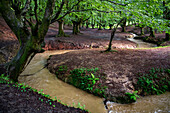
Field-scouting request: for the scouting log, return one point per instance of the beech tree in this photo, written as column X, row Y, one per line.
column 17, row 14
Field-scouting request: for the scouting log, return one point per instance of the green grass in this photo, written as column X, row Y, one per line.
column 83, row 78
column 132, row 97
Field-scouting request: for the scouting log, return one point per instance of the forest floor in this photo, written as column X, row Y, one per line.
column 120, row 68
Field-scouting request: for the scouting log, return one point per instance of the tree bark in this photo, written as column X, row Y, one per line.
column 152, row 32
column 87, row 25
column 110, row 26
column 92, row 26
column 123, row 25
column 100, row 27
column 141, row 30
column 112, row 36
column 60, row 30
column 76, row 29
column 30, row 43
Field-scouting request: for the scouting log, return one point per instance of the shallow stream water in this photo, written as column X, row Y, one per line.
column 38, row 76
column 142, row 44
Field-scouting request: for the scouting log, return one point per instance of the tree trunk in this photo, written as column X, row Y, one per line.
column 18, row 63
column 78, row 27
column 30, row 43
column 110, row 42
column 92, row 26
column 112, row 36
column 123, row 25
column 103, row 26
column 60, row 31
column 167, row 37
column 75, row 28
column 110, row 26
column 100, row 27
column 141, row 30
column 82, row 25
column 152, row 32
column 87, row 25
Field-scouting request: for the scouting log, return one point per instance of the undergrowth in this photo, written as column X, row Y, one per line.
column 83, row 78
column 157, row 81
column 131, row 97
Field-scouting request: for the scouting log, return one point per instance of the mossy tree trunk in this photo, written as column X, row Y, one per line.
column 100, row 26
column 30, row 43
column 61, row 29
column 82, row 25
column 152, row 32
column 123, row 25
column 76, row 29
column 141, row 30
column 87, row 24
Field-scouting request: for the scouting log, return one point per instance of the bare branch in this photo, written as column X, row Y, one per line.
column 35, row 11
column 30, row 24
column 59, row 11
column 86, row 19
column 55, row 19
column 46, row 19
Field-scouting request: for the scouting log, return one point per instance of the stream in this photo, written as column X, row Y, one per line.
column 142, row 44
column 38, row 76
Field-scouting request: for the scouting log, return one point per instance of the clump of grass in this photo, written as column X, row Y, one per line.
column 61, row 70
column 86, row 79
column 83, row 78
column 157, row 81
column 131, row 97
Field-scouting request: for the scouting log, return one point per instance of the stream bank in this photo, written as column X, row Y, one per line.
column 39, row 77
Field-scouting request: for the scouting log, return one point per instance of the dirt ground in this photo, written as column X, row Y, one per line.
column 13, row 100
column 120, row 68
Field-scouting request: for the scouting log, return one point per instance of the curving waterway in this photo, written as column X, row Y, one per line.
column 38, row 76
